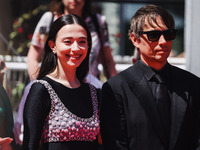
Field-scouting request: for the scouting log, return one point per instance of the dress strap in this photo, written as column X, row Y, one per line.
column 94, row 99
column 49, row 88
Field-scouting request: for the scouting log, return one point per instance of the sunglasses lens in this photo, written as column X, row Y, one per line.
column 153, row 35
column 169, row 34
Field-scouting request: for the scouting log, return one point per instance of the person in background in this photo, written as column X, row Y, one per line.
column 6, row 121
column 152, row 104
column 3, row 74
column 61, row 110
column 19, row 124
column 101, row 51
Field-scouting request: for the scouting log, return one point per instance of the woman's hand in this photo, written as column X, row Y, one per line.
column 5, row 143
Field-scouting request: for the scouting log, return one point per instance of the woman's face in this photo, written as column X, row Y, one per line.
column 71, row 45
column 73, row 5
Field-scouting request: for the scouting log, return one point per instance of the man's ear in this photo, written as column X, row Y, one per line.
column 52, row 46
column 134, row 40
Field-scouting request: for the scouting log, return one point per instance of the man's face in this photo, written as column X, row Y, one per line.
column 154, row 54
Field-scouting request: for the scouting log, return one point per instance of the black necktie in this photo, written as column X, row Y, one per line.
column 163, row 102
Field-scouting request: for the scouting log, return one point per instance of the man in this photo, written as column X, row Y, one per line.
column 132, row 114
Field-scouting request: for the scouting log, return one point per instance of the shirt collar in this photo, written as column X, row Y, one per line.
column 150, row 72
column 147, row 71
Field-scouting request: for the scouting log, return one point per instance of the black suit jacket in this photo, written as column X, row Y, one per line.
column 130, row 120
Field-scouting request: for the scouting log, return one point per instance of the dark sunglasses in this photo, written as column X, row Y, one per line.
column 153, row 36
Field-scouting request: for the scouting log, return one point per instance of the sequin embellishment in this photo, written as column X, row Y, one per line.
column 61, row 125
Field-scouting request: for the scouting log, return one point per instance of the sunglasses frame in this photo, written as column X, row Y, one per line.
column 159, row 33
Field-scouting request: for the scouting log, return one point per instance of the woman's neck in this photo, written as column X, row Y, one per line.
column 67, row 78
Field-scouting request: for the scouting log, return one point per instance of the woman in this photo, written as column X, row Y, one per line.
column 101, row 51
column 6, row 121
column 61, row 109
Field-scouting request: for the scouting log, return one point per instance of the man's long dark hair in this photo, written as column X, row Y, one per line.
column 150, row 13
column 49, row 62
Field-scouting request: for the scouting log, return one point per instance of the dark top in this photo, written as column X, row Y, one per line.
column 150, row 72
column 164, row 101
column 37, row 107
column 127, row 101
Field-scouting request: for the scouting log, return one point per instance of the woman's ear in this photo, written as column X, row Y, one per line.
column 134, row 40
column 52, row 46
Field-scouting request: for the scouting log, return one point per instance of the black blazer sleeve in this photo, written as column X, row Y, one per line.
column 112, row 120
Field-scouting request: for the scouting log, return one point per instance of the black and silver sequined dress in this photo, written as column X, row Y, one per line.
column 61, row 118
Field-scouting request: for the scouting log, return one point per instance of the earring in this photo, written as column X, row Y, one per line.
column 54, row 52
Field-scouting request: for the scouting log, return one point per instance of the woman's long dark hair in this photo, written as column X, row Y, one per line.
column 49, row 62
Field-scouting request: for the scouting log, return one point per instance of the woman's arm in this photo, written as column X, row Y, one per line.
column 36, row 49
column 36, row 109
column 34, row 56
column 108, row 62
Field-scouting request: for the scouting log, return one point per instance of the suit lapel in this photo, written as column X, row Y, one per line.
column 178, row 108
column 144, row 94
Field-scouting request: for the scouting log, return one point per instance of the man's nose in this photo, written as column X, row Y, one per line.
column 162, row 40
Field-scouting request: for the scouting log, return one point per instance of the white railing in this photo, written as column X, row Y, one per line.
column 122, row 62
column 17, row 68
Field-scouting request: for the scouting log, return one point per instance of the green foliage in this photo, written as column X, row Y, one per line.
column 16, row 94
column 23, row 28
